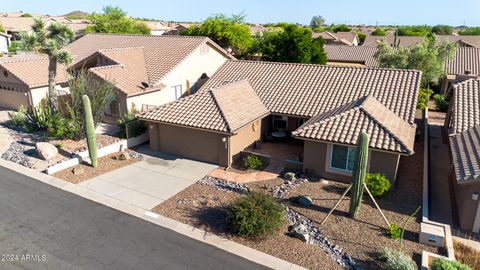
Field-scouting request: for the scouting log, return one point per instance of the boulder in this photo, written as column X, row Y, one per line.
column 78, row 170
column 289, row 176
column 299, row 231
column 125, row 156
column 46, row 151
column 304, row 200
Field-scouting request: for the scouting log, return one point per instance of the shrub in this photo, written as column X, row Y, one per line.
column 394, row 231
column 135, row 129
column 257, row 214
column 59, row 125
column 443, row 264
column 378, row 184
column 466, row 254
column 379, row 32
column 441, row 102
column 423, row 97
column 19, row 118
column 396, row 260
column 253, row 162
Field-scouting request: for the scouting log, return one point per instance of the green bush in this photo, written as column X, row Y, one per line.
column 378, row 184
column 59, row 125
column 19, row 118
column 136, row 129
column 253, row 162
column 441, row 102
column 396, row 260
column 423, row 97
column 443, row 264
column 379, row 32
column 256, row 214
column 394, row 231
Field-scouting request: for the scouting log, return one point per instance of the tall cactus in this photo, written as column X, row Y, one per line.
column 90, row 130
column 359, row 174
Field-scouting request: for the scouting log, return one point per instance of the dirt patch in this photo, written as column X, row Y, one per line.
column 105, row 164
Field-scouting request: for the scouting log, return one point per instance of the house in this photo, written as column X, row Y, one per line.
column 339, row 38
column 24, row 80
column 407, row 41
column 15, row 24
column 147, row 71
column 463, row 125
column 351, row 55
column 463, row 66
column 157, row 28
column 324, row 108
column 4, row 42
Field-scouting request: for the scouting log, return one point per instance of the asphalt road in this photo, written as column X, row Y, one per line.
column 42, row 227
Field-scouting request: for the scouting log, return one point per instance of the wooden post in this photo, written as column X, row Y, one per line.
column 378, row 207
column 336, row 205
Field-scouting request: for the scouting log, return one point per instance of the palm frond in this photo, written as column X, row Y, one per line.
column 28, row 42
column 38, row 28
column 64, row 57
column 61, row 33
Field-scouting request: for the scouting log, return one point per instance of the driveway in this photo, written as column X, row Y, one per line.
column 149, row 182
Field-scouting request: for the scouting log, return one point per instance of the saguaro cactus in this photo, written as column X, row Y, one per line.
column 90, row 130
column 359, row 173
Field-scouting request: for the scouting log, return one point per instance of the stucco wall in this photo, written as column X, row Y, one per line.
column 466, row 207
column 13, row 99
column 4, row 41
column 344, row 64
column 316, row 160
column 187, row 142
column 245, row 137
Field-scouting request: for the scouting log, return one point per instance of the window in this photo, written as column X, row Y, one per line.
column 300, row 122
column 279, row 122
column 177, row 91
column 113, row 109
column 342, row 158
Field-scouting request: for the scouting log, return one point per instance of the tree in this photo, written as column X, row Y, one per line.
column 416, row 30
column 379, row 32
column 340, row 28
column 50, row 41
column 317, row 21
column 293, row 44
column 471, row 31
column 26, row 15
column 361, row 37
column 229, row 33
column 2, row 29
column 115, row 20
column 428, row 57
column 442, row 30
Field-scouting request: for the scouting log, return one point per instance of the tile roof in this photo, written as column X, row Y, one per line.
column 465, row 149
column 33, row 70
column 308, row 90
column 226, row 108
column 386, row 130
column 346, row 38
column 466, row 106
column 161, row 54
column 352, row 54
column 407, row 41
column 465, row 59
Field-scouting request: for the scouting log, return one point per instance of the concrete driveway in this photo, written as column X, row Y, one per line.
column 149, row 182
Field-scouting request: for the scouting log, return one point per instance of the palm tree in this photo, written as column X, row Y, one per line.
column 50, row 41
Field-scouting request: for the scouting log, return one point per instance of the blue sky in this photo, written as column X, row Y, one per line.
column 453, row 12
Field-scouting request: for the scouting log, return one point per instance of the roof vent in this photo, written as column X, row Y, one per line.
column 145, row 84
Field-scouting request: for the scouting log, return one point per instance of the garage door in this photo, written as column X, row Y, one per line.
column 187, row 142
column 12, row 99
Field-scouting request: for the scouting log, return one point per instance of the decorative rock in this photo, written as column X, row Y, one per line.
column 223, row 185
column 125, row 156
column 304, row 200
column 78, row 170
column 299, row 231
column 46, row 151
column 289, row 176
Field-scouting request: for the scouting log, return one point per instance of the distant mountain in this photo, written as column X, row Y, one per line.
column 76, row 15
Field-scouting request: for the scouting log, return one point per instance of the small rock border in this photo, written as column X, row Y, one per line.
column 223, row 185
column 282, row 191
column 15, row 154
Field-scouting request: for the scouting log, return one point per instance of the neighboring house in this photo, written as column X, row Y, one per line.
column 463, row 125
column 407, row 41
column 325, row 107
column 14, row 25
column 351, row 55
column 463, row 66
column 339, row 38
column 147, row 71
column 157, row 28
column 4, row 42
column 177, row 28
column 24, row 81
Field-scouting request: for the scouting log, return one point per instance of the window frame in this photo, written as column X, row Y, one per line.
column 350, row 149
column 279, row 118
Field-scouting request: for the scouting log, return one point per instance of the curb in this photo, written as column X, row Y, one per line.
column 181, row 228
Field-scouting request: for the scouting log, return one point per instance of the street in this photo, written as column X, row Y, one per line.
column 42, row 227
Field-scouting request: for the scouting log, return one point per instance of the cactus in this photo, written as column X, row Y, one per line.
column 90, row 130
column 359, row 174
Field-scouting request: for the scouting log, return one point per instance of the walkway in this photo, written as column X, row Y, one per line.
column 440, row 198
column 242, row 177
column 147, row 183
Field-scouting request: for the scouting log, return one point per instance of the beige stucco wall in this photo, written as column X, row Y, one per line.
column 345, row 64
column 466, row 207
column 245, row 137
column 13, row 99
column 187, row 142
column 316, row 160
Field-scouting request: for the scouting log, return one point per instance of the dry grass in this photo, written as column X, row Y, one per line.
column 467, row 255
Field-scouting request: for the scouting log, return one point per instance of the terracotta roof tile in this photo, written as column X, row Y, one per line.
column 466, row 105
column 465, row 149
column 466, row 60
column 407, row 41
column 352, row 54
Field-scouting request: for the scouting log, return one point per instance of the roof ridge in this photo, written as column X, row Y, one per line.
column 107, row 67
column 144, row 35
column 121, row 48
column 24, row 60
column 222, row 113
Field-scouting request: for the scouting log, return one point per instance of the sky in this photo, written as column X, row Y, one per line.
column 371, row 12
